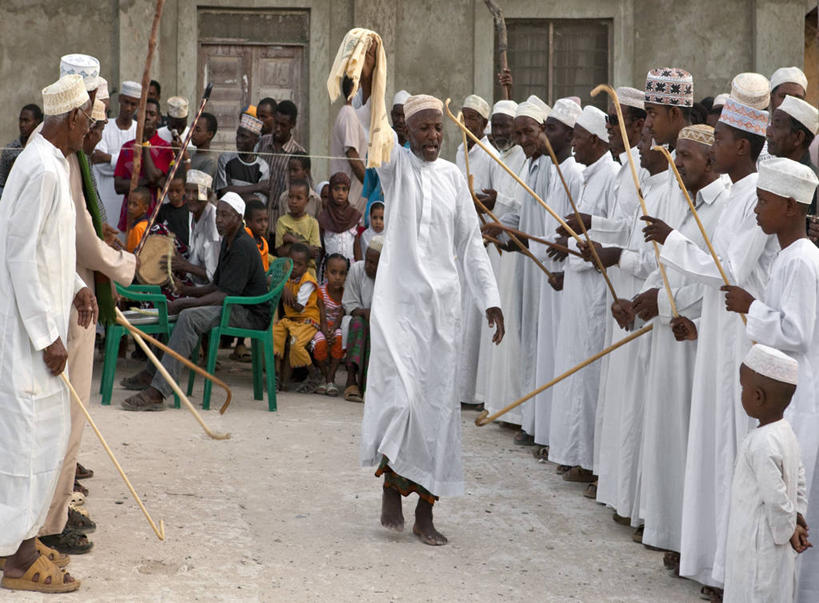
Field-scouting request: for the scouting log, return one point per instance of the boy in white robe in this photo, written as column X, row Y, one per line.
column 768, row 496
column 581, row 332
column 670, row 371
column 717, row 427
column 785, row 316
column 38, row 270
column 411, row 400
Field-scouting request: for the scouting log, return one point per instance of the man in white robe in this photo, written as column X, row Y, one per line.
column 116, row 133
column 476, row 117
column 411, row 425
column 498, row 379
column 620, row 402
column 785, row 317
column 717, row 425
column 670, row 371
column 581, row 332
column 531, row 219
column 559, row 130
column 37, row 270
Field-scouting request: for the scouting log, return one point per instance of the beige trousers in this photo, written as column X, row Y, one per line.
column 80, row 369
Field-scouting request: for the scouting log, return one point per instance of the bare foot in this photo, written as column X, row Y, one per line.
column 424, row 528
column 392, row 517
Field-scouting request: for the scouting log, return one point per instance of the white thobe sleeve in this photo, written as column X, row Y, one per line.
column 30, row 212
column 683, row 254
column 778, row 508
column 475, row 266
column 304, row 293
column 79, row 284
column 791, row 326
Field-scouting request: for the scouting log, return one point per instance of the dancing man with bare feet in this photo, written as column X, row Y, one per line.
column 412, row 423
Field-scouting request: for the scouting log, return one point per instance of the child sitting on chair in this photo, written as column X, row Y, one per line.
column 296, row 329
column 328, row 349
column 256, row 227
column 138, row 202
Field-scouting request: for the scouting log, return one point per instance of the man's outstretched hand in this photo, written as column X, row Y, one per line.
column 87, row 310
column 495, row 318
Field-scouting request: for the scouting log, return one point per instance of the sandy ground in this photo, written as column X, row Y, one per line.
column 283, row 512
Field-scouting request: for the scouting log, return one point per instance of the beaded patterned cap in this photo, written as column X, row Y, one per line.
column 743, row 117
column 700, row 133
column 670, row 86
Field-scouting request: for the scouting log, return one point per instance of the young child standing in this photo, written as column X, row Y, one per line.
column 376, row 227
column 138, row 203
column 256, row 227
column 339, row 220
column 328, row 349
column 296, row 329
column 768, row 500
column 174, row 214
column 298, row 168
column 296, row 226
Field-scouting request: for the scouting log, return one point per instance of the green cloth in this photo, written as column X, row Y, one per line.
column 102, row 284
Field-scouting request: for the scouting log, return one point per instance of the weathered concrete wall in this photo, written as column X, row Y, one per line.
column 35, row 34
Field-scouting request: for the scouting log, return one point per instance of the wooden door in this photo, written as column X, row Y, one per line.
column 243, row 74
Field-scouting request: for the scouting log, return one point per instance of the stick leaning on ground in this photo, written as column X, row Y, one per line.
column 485, row 418
column 137, row 335
column 624, row 135
column 693, row 209
column 159, row 531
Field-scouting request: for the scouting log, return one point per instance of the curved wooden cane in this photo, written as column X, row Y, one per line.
column 159, row 531
column 485, row 417
column 624, row 135
column 138, row 335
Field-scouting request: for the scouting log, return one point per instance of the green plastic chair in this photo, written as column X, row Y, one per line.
column 162, row 326
column 261, row 340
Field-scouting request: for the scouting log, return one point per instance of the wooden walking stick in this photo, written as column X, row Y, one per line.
column 143, row 98
column 693, row 209
column 503, row 42
column 485, row 418
column 624, row 135
column 187, row 362
column 517, row 178
column 174, row 166
column 552, row 244
column 469, row 180
column 174, row 385
column 159, row 531
column 600, row 267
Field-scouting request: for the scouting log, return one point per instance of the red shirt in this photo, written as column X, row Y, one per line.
column 162, row 155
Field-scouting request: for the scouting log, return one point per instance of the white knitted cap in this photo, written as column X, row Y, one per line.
column 770, row 362
column 65, row 94
column 803, row 112
column 505, row 107
column 566, row 111
column 235, row 201
column 82, row 64
column 792, row 75
column 787, row 178
column 593, row 120
column 476, row 103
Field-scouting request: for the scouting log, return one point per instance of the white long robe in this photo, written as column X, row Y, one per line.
column 111, row 143
column 550, row 300
column 411, row 411
column 473, row 316
column 615, row 231
column 580, row 334
column 718, row 423
column 786, row 318
column 498, row 381
column 38, row 277
column 531, row 219
column 620, row 400
column 669, row 380
column 767, row 492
